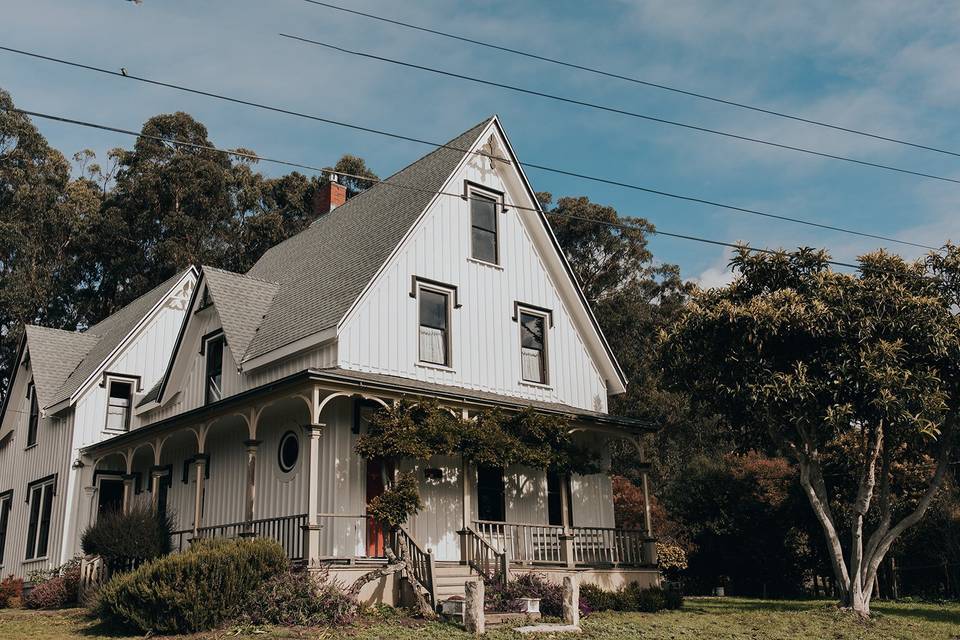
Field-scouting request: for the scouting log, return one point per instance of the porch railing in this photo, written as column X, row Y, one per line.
column 484, row 558
column 421, row 561
column 525, row 543
column 287, row 530
column 546, row 544
column 608, row 546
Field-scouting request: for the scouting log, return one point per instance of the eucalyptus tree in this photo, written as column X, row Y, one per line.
column 817, row 361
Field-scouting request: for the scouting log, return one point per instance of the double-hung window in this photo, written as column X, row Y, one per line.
column 119, row 404
column 6, row 502
column 40, row 498
column 33, row 421
column 213, row 348
column 533, row 346
column 483, row 228
column 434, row 329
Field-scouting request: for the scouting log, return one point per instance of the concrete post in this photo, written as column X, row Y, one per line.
column 311, row 533
column 571, row 601
column 473, row 617
column 249, row 513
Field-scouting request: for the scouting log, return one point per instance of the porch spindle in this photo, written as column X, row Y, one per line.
column 311, row 538
column 251, row 500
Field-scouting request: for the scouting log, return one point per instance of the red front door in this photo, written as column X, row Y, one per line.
column 375, row 530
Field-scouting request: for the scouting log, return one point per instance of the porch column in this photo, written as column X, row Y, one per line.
column 466, row 500
column 128, row 490
column 156, row 475
column 251, row 501
column 566, row 538
column 200, row 468
column 311, row 530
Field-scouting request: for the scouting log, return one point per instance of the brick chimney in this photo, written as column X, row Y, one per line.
column 331, row 196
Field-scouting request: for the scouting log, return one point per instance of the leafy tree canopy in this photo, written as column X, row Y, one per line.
column 814, row 360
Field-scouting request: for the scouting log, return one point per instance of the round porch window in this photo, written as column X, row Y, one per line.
column 289, row 451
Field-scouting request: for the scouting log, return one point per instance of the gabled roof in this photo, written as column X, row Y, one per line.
column 241, row 302
column 107, row 335
column 324, row 269
column 54, row 353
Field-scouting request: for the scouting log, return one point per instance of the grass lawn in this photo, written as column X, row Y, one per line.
column 700, row 619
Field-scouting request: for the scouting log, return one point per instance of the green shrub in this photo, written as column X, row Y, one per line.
column 11, row 591
column 127, row 540
column 192, row 591
column 398, row 502
column 298, row 598
column 629, row 598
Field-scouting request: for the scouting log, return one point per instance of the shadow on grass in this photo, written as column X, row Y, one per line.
column 97, row 628
column 747, row 605
column 930, row 613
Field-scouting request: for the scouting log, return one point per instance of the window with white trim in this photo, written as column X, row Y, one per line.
column 119, row 403
column 33, row 421
column 40, row 498
column 434, row 326
column 533, row 346
column 213, row 349
column 6, row 502
column 483, row 227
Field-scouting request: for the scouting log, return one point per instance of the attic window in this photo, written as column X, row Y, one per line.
column 119, row 403
column 213, row 349
column 33, row 421
column 484, row 236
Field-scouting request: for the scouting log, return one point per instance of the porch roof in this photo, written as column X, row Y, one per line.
column 345, row 379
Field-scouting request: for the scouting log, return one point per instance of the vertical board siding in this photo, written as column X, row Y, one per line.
column 19, row 467
column 436, row 526
column 381, row 334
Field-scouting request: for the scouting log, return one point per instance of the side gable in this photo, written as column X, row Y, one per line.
column 223, row 302
column 535, row 273
column 54, row 354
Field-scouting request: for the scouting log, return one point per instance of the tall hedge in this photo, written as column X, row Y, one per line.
column 192, row 591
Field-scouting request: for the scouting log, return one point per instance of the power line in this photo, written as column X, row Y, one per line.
column 397, row 136
column 506, row 205
column 624, row 112
column 647, row 83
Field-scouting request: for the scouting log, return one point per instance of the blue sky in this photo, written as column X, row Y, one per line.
column 883, row 66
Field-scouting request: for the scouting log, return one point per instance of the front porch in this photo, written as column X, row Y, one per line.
column 280, row 464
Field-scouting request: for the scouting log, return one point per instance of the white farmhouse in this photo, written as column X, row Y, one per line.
column 444, row 281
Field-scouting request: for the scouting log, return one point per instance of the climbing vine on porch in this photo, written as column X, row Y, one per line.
column 493, row 438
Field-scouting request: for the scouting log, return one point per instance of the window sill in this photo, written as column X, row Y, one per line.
column 30, row 446
column 536, row 385
column 116, row 432
column 484, row 263
column 435, row 367
column 32, row 560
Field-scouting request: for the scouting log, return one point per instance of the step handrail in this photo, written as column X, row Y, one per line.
column 420, row 561
column 479, row 554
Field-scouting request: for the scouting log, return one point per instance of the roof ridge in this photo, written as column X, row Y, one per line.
column 73, row 332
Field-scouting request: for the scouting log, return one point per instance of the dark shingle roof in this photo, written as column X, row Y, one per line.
column 242, row 302
column 106, row 335
column 323, row 269
column 54, row 353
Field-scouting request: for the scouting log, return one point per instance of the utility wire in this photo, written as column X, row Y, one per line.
column 530, row 165
column 505, row 205
column 646, row 83
column 624, row 112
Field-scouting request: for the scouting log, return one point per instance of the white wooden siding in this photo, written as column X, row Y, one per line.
column 19, row 467
column 381, row 334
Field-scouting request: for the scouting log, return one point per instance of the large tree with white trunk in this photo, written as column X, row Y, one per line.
column 863, row 366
